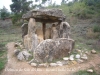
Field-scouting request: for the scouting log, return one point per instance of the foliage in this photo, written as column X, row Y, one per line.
column 2, row 60
column 4, row 13
column 96, row 28
column 82, row 9
column 20, row 6
column 16, row 18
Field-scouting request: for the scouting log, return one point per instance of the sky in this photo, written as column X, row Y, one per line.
column 6, row 3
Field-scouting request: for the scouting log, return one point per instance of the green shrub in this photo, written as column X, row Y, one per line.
column 16, row 18
column 96, row 28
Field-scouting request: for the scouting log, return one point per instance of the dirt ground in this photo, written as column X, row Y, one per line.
column 15, row 67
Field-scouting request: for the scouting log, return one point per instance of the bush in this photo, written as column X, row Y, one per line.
column 96, row 28
column 16, row 18
column 91, row 34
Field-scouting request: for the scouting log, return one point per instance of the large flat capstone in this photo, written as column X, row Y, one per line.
column 45, row 15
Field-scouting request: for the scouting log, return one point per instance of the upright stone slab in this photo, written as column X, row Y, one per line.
column 34, row 41
column 31, row 26
column 54, row 32
column 28, row 39
column 64, row 30
column 24, row 28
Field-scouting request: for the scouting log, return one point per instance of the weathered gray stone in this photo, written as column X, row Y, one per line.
column 64, row 30
column 23, row 55
column 49, row 49
column 31, row 36
column 24, row 28
column 26, row 54
column 20, row 56
column 27, row 42
column 16, row 51
column 54, row 32
column 45, row 15
column 34, row 41
column 31, row 26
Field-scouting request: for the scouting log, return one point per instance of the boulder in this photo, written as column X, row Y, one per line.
column 23, row 55
column 50, row 49
column 20, row 56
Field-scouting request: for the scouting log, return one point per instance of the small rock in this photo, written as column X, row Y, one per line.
column 64, row 62
column 26, row 54
column 53, row 64
column 79, row 51
column 80, row 61
column 16, row 45
column 90, row 70
column 84, row 56
column 44, row 65
column 71, row 58
column 16, row 52
column 87, row 53
column 65, row 58
column 33, row 64
column 93, row 51
column 78, row 56
column 60, row 64
column 41, row 65
column 20, row 56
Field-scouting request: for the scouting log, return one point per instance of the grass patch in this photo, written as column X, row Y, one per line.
column 84, row 72
column 7, row 34
column 3, row 59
